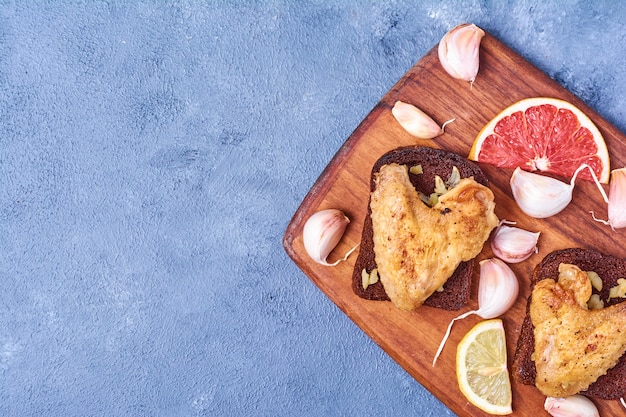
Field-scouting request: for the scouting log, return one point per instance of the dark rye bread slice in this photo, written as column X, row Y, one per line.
column 434, row 162
column 610, row 386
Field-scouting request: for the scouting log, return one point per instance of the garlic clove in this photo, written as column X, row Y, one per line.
column 573, row 406
column 322, row 232
column 498, row 289
column 459, row 51
column 538, row 195
column 415, row 121
column 512, row 244
column 617, row 198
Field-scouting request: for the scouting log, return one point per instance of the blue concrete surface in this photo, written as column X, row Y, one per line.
column 151, row 156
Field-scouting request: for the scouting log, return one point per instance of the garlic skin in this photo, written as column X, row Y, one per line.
column 573, row 406
column 512, row 244
column 416, row 122
column 539, row 196
column 459, row 51
column 617, row 199
column 498, row 289
column 322, row 232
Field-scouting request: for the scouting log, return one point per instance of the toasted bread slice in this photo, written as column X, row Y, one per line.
column 434, row 162
column 610, row 386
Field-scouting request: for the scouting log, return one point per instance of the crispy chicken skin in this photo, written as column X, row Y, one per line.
column 573, row 345
column 417, row 248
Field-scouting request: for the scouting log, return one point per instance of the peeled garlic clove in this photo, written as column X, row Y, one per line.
column 539, row 196
column 617, row 198
column 322, row 232
column 573, row 406
column 459, row 51
column 512, row 244
column 498, row 289
column 415, row 121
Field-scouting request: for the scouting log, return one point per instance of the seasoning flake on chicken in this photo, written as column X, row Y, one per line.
column 417, row 247
column 574, row 346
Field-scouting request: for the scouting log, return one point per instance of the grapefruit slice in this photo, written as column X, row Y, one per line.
column 545, row 134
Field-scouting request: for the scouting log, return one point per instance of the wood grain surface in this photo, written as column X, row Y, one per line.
column 412, row 338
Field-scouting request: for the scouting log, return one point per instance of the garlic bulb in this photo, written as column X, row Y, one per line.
column 322, row 232
column 573, row 406
column 416, row 122
column 512, row 244
column 497, row 292
column 459, row 51
column 540, row 196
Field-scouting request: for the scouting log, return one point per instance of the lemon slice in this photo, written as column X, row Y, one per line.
column 481, row 368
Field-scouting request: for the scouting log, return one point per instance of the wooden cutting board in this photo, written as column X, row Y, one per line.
column 412, row 338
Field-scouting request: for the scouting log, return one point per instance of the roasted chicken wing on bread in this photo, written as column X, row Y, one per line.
column 418, row 247
column 610, row 269
column 432, row 163
column 574, row 345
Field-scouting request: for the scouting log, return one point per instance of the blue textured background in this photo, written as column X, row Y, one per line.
column 151, row 156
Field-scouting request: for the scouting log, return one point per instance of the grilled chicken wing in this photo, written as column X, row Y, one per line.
column 574, row 346
column 417, row 247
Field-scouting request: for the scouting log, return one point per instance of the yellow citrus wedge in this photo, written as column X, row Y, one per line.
column 545, row 134
column 481, row 368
